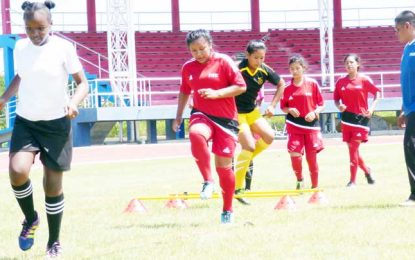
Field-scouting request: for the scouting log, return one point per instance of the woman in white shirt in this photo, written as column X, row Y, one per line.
column 43, row 114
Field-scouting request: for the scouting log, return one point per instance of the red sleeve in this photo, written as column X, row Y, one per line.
column 336, row 93
column 284, row 99
column 184, row 86
column 370, row 86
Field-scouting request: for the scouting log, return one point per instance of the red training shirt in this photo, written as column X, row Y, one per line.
column 218, row 72
column 354, row 93
column 304, row 98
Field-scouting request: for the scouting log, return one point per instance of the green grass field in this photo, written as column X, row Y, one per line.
column 360, row 223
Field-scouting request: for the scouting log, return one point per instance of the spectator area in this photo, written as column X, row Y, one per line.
column 161, row 54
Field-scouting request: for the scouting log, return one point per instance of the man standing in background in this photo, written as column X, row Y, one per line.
column 405, row 29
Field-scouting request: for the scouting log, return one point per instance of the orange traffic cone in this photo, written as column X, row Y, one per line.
column 135, row 206
column 176, row 204
column 285, row 203
column 318, row 198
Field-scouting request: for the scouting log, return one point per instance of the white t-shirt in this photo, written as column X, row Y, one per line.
column 44, row 72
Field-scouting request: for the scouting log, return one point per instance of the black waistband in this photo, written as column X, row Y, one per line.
column 355, row 119
column 302, row 121
column 230, row 124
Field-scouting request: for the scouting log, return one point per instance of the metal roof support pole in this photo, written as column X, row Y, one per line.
column 121, row 51
column 327, row 56
column 326, row 43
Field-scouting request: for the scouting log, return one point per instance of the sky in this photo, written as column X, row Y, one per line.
column 223, row 14
column 218, row 14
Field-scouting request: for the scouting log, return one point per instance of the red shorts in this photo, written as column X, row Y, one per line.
column 223, row 140
column 310, row 141
column 354, row 133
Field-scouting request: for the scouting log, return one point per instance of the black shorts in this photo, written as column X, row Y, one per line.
column 52, row 138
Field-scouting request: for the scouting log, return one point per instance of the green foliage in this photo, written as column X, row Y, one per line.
column 389, row 117
column 141, row 127
column 2, row 112
column 116, row 128
column 2, row 85
column 277, row 122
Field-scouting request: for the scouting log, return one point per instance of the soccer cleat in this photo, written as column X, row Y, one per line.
column 207, row 190
column 369, row 179
column 351, row 184
column 226, row 217
column 54, row 251
column 27, row 235
column 241, row 200
column 300, row 185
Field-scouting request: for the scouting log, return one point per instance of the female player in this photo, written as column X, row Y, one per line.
column 302, row 101
column 214, row 80
column 251, row 122
column 43, row 115
column 238, row 57
column 351, row 98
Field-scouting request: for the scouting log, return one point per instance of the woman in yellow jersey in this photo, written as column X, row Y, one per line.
column 255, row 73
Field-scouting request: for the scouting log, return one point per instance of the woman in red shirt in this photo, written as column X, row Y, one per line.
column 351, row 98
column 302, row 101
column 214, row 80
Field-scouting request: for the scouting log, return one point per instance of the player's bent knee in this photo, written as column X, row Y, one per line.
column 247, row 145
column 268, row 139
column 19, row 169
column 249, row 148
column 195, row 135
column 18, row 177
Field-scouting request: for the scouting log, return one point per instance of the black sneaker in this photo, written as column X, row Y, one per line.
column 369, row 179
column 241, row 200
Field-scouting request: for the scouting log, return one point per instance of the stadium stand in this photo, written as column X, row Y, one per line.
column 161, row 54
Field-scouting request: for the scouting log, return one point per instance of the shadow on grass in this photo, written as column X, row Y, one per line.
column 160, row 225
column 167, row 225
column 148, row 226
column 200, row 205
column 370, row 206
column 119, row 227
